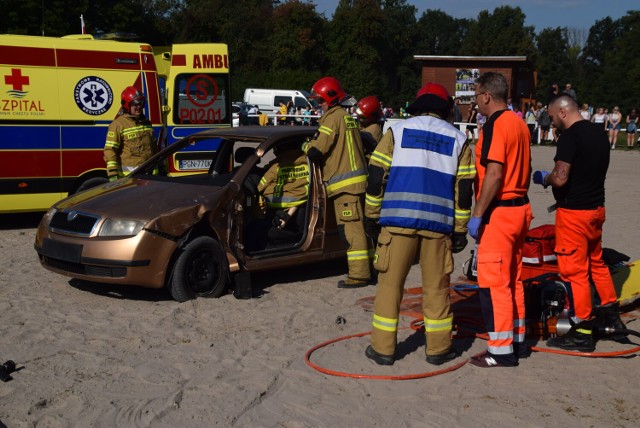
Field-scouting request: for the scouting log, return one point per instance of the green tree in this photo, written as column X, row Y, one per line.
column 295, row 46
column 440, row 34
column 601, row 40
column 554, row 63
column 354, row 40
column 400, row 71
column 619, row 83
column 499, row 33
column 41, row 18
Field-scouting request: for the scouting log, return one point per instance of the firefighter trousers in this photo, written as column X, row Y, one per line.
column 499, row 277
column 395, row 255
column 579, row 250
column 349, row 215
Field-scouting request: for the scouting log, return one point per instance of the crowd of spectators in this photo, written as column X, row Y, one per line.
column 612, row 122
column 535, row 116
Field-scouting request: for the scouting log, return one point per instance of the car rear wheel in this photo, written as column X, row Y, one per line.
column 201, row 270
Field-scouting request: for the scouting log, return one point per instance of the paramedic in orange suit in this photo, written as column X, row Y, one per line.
column 500, row 221
column 581, row 163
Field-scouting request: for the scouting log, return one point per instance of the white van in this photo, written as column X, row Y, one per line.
column 268, row 100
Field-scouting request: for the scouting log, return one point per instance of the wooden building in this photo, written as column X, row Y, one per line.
column 458, row 74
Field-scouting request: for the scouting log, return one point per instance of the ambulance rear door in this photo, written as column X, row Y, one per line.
column 197, row 89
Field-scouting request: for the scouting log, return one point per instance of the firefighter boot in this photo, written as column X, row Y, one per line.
column 578, row 338
column 609, row 325
column 383, row 360
column 353, row 283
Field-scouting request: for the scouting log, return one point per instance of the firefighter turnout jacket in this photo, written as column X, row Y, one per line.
column 286, row 182
column 379, row 166
column 434, row 165
column 338, row 140
column 130, row 142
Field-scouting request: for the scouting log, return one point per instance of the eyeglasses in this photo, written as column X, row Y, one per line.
column 482, row 93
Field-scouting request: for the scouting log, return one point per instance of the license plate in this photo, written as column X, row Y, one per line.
column 62, row 250
column 189, row 164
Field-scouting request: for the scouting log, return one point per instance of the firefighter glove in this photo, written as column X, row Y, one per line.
column 459, row 242
column 539, row 177
column 372, row 228
column 474, row 227
column 280, row 219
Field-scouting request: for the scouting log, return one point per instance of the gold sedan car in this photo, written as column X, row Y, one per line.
column 190, row 219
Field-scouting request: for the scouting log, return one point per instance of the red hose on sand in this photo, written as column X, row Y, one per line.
column 587, row 354
column 461, row 317
column 368, row 376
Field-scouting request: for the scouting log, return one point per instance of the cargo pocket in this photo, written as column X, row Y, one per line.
column 348, row 211
column 490, row 269
column 448, row 262
column 564, row 252
column 381, row 258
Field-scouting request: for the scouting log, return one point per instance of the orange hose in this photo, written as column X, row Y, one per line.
column 369, row 376
column 586, row 354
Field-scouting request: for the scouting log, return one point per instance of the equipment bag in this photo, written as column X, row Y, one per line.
column 539, row 245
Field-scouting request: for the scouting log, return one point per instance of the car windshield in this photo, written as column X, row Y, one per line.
column 198, row 160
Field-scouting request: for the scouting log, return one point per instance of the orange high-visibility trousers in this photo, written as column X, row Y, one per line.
column 499, row 277
column 579, row 250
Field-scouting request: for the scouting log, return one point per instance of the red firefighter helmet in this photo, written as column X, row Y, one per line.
column 329, row 89
column 369, row 108
column 131, row 96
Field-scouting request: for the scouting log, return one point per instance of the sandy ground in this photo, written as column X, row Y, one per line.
column 103, row 356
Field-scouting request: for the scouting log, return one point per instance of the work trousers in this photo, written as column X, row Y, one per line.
column 349, row 215
column 579, row 250
column 395, row 255
column 499, row 277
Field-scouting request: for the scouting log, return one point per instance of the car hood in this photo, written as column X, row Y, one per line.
column 166, row 206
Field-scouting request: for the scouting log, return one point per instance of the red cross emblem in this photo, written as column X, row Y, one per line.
column 16, row 79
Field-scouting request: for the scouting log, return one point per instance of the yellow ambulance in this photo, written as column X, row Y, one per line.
column 59, row 95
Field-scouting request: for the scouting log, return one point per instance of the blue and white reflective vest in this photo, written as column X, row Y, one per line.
column 420, row 193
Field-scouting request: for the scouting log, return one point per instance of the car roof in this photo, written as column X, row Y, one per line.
column 259, row 132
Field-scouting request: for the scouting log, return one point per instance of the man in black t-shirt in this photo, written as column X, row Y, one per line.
column 581, row 164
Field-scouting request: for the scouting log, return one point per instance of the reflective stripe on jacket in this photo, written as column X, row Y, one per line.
column 130, row 141
column 286, row 182
column 421, row 190
column 338, row 139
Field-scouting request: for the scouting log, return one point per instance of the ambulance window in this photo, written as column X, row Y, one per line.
column 201, row 99
column 301, row 102
column 162, row 82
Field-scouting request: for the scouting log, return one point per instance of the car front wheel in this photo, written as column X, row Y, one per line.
column 201, row 270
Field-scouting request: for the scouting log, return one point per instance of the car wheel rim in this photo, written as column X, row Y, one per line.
column 202, row 272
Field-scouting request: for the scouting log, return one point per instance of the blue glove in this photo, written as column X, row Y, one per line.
column 474, row 227
column 539, row 176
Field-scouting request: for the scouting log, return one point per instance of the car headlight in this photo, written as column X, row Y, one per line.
column 46, row 218
column 120, row 227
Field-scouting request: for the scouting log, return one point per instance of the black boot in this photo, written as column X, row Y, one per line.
column 608, row 324
column 579, row 338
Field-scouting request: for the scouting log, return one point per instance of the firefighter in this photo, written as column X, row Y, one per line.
column 577, row 179
column 425, row 210
column 501, row 218
column 285, row 186
column 370, row 118
column 338, row 146
column 130, row 138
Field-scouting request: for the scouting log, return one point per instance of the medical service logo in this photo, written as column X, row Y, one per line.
column 93, row 95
